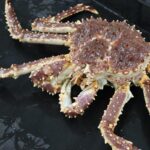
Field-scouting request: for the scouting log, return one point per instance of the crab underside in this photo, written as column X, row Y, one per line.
column 101, row 53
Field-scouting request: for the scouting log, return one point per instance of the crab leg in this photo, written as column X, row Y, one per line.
column 110, row 118
column 52, row 23
column 82, row 101
column 45, row 26
column 145, row 85
column 24, row 35
column 17, row 70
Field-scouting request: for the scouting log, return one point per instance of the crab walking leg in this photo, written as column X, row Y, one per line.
column 44, row 26
column 24, row 35
column 110, row 118
column 17, row 70
column 51, row 23
column 71, row 11
column 82, row 101
column 145, row 85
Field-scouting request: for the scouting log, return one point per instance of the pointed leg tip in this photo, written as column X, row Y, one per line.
column 95, row 12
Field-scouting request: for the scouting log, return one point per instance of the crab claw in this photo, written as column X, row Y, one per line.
column 51, row 77
column 46, row 73
column 82, row 101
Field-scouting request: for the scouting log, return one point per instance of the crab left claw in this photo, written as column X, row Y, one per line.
column 47, row 73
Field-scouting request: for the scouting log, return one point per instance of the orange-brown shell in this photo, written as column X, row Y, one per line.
column 105, row 45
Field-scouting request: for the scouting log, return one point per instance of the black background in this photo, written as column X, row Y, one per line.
column 30, row 119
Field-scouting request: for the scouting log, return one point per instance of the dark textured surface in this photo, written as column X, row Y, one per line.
column 30, row 119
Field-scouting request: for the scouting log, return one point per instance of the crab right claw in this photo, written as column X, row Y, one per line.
column 82, row 101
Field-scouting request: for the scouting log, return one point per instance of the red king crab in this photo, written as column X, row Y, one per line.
column 101, row 52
